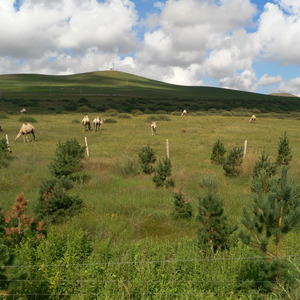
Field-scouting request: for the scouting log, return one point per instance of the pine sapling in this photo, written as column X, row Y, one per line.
column 218, row 153
column 182, row 207
column 284, row 155
column 147, row 159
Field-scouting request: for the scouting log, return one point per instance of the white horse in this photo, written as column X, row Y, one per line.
column 153, row 128
column 86, row 123
column 97, row 122
column 25, row 129
column 184, row 113
column 252, row 119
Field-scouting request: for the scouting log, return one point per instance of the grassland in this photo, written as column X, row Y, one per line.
column 114, row 191
column 128, row 220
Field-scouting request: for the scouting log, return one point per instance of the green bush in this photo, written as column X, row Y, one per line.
column 182, row 207
column 3, row 116
column 284, row 155
column 110, row 120
column 5, row 153
column 218, row 153
column 127, row 166
column 124, row 116
column 67, row 158
column 233, row 162
column 263, row 171
column 158, row 118
column 147, row 159
column 215, row 231
column 112, row 112
column 26, row 119
column 163, row 172
column 54, row 202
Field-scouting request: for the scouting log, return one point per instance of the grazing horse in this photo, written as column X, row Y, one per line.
column 153, row 128
column 184, row 113
column 25, row 129
column 97, row 123
column 86, row 123
column 252, row 119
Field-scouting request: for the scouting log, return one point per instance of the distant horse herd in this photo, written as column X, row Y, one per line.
column 97, row 122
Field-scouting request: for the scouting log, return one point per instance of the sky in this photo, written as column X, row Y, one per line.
column 249, row 45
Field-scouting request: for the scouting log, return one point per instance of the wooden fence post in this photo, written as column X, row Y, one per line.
column 168, row 153
column 87, row 147
column 245, row 148
column 7, row 142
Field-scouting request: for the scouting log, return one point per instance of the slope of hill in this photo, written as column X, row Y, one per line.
column 125, row 92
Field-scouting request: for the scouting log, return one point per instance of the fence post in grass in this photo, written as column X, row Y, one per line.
column 168, row 154
column 7, row 142
column 245, row 148
column 87, row 147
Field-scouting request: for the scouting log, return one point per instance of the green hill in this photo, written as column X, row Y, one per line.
column 125, row 92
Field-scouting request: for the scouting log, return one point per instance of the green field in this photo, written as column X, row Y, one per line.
column 126, row 216
column 103, row 90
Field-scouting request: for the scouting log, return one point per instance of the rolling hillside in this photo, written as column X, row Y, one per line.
column 100, row 91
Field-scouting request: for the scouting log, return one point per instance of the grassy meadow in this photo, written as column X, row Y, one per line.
column 129, row 220
column 117, row 193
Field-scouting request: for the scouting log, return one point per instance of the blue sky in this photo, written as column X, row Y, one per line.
column 248, row 45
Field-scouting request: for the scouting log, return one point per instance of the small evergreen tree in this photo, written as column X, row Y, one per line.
column 215, row 231
column 147, row 159
column 284, row 155
column 263, row 171
column 163, row 172
column 54, row 201
column 218, row 153
column 274, row 215
column 182, row 207
column 5, row 154
column 233, row 162
column 67, row 158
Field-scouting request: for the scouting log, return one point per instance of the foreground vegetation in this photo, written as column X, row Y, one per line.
column 125, row 242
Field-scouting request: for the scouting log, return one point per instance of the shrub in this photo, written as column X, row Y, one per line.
column 163, row 171
column 5, row 154
column 273, row 216
column 26, row 119
column 54, row 201
column 67, row 158
column 263, row 170
column 127, row 167
column 182, row 207
column 124, row 116
column 137, row 112
column 233, row 162
column 84, row 109
column 112, row 112
column 158, row 118
column 284, row 155
column 110, row 120
column 215, row 231
column 3, row 116
column 147, row 158
column 218, row 153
